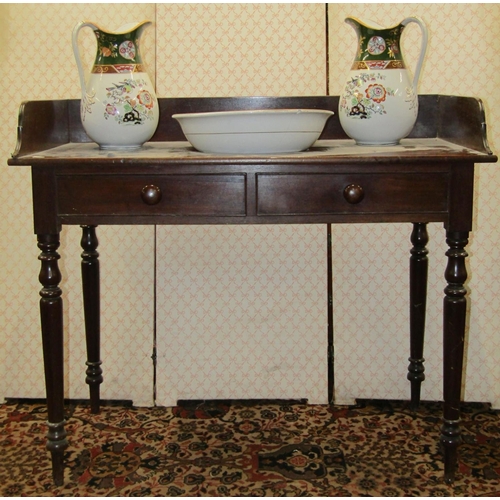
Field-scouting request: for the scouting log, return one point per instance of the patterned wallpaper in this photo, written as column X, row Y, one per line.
column 39, row 64
column 460, row 60
column 224, row 294
column 229, row 324
column 241, row 49
column 242, row 312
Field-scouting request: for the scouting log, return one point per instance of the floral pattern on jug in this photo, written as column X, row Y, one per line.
column 127, row 50
column 376, row 45
column 364, row 104
column 379, row 104
column 129, row 102
column 119, row 108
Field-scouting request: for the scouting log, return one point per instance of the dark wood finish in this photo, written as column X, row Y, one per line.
column 46, row 124
column 375, row 193
column 91, row 301
column 151, row 194
column 470, row 114
column 454, row 314
column 418, row 302
column 51, row 315
column 185, row 195
column 427, row 179
column 330, row 355
column 354, row 193
column 42, row 125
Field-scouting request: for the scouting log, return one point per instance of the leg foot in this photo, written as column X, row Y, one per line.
column 56, row 444
column 450, row 439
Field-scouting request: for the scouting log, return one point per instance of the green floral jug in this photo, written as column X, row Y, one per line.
column 379, row 104
column 119, row 109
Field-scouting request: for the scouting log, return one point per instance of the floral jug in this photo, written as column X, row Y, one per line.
column 119, row 109
column 379, row 104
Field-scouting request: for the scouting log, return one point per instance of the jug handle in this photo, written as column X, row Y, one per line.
column 423, row 47
column 76, row 52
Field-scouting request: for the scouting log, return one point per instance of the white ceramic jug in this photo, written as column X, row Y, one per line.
column 379, row 104
column 119, row 109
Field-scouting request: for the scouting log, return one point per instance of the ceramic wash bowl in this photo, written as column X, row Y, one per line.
column 253, row 131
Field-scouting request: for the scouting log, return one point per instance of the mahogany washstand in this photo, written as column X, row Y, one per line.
column 428, row 178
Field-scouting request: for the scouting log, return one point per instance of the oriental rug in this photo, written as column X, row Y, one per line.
column 250, row 448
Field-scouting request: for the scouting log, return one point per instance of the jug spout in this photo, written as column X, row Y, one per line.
column 358, row 23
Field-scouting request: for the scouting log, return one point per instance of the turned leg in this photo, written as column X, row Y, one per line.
column 418, row 300
column 91, row 305
column 454, row 316
column 51, row 315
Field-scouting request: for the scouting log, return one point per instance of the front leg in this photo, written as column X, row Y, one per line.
column 454, row 317
column 91, row 306
column 51, row 314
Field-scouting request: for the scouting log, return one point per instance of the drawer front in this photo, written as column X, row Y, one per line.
column 181, row 195
column 303, row 194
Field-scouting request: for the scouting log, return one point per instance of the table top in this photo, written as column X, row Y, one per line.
column 336, row 151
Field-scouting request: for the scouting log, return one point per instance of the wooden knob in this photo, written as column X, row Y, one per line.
column 151, row 195
column 353, row 193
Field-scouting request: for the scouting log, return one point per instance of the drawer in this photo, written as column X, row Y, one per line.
column 310, row 193
column 182, row 195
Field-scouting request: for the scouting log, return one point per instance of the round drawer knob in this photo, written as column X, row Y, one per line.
column 354, row 193
column 151, row 195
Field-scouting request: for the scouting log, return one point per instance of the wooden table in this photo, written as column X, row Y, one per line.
column 427, row 178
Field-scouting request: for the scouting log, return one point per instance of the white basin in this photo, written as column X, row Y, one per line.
column 263, row 131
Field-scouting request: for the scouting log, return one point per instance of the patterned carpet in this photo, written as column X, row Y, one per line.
column 258, row 448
